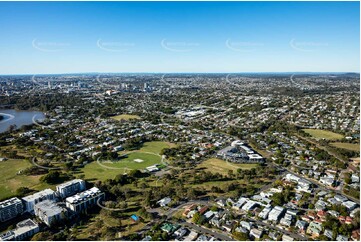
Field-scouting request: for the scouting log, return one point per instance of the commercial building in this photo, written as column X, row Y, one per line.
column 31, row 200
column 84, row 200
column 49, row 212
column 238, row 152
column 24, row 230
column 70, row 188
column 10, row 209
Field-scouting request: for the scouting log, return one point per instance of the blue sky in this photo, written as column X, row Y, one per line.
column 74, row 37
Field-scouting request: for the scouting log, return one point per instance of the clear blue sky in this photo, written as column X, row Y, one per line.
column 74, row 37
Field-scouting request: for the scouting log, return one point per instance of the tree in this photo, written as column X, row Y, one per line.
column 348, row 179
column 196, row 217
column 240, row 236
column 51, row 178
column 22, row 191
column 42, row 236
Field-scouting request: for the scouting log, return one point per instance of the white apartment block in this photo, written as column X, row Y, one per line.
column 24, row 230
column 10, row 209
column 81, row 201
column 70, row 188
column 49, row 212
column 31, row 200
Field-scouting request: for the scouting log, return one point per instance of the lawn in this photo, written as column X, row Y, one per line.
column 10, row 181
column 156, row 146
column 125, row 117
column 148, row 153
column 217, row 165
column 144, row 160
column 323, row 134
column 347, row 146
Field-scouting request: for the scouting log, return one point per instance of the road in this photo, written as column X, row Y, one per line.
column 321, row 147
column 293, row 235
column 219, row 235
column 324, row 187
column 169, row 213
column 203, row 230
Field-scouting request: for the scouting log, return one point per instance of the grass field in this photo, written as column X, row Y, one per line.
column 125, row 117
column 323, row 134
column 217, row 165
column 149, row 153
column 10, row 181
column 347, row 146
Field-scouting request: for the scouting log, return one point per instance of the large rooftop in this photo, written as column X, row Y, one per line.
column 83, row 195
column 10, row 201
column 37, row 195
column 68, row 183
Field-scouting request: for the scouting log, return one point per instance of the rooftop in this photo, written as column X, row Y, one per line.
column 68, row 183
column 37, row 195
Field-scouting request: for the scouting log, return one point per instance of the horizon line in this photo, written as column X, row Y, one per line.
column 252, row 72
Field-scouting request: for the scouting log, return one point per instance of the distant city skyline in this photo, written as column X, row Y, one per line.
column 179, row 37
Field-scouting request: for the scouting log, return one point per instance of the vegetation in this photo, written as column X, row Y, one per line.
column 148, row 153
column 11, row 177
column 125, row 117
column 323, row 134
column 347, row 146
column 215, row 165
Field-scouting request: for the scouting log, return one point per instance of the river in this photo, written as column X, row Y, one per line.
column 18, row 118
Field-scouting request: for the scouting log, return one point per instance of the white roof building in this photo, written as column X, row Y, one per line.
column 84, row 200
column 23, row 230
column 276, row 213
column 70, row 188
column 31, row 200
column 264, row 213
